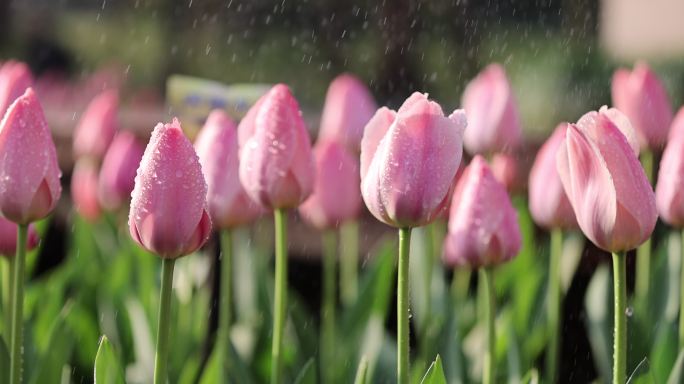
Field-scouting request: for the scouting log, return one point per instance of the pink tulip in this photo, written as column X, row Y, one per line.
column 117, row 174
column 84, row 189
column 409, row 160
column 276, row 163
column 348, row 107
column 15, row 78
column 669, row 197
column 549, row 205
column 483, row 225
column 612, row 199
column 98, row 125
column 642, row 97
column 336, row 197
column 493, row 120
column 8, row 238
column 217, row 148
column 168, row 213
column 504, row 166
column 29, row 173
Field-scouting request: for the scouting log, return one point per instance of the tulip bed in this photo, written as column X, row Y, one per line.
column 468, row 287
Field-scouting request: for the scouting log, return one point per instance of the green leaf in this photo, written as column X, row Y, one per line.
column 308, row 373
column 4, row 362
column 56, row 354
column 435, row 373
column 362, row 371
column 677, row 374
column 599, row 306
column 531, row 377
column 107, row 367
column 642, row 374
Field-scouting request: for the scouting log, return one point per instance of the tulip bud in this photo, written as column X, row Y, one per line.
column 29, row 173
column 8, row 238
column 409, row 160
column 669, row 197
column 493, row 119
column 98, row 125
column 15, row 78
column 612, row 199
column 483, row 225
column 276, row 164
column 84, row 189
column 217, row 148
column 168, row 213
column 348, row 107
column 504, row 166
column 642, row 97
column 549, row 205
column 336, row 197
column 117, row 174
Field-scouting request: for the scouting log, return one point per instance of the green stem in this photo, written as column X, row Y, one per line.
column 349, row 239
column 488, row 372
column 620, row 319
column 403, row 373
column 164, row 322
column 328, row 363
column 553, row 308
column 681, row 296
column 17, row 326
column 643, row 254
column 225, row 312
column 280, row 300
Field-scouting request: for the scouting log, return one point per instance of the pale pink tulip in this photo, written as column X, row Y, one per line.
column 276, row 163
column 217, row 148
column 409, row 161
column 612, row 199
column 670, row 187
column 336, row 197
column 483, row 225
column 549, row 205
column 642, row 97
column 117, row 174
column 504, row 166
column 29, row 173
column 84, row 189
column 15, row 78
column 493, row 118
column 348, row 106
column 98, row 126
column 168, row 213
column 8, row 238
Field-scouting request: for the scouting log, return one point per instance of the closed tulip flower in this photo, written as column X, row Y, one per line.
column 409, row 160
column 336, row 196
column 117, row 174
column 29, row 173
column 607, row 187
column 15, row 78
column 549, row 205
column 642, row 97
column 276, row 163
column 483, row 225
column 168, row 213
column 669, row 197
column 217, row 148
column 84, row 189
column 348, row 106
column 98, row 125
column 8, row 237
column 493, row 118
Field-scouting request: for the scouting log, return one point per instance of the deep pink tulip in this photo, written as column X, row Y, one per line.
column 98, row 126
column 84, row 189
column 117, row 174
column 669, row 191
column 168, row 213
column 348, row 107
column 612, row 199
column 8, row 238
column 642, row 97
column 336, row 197
column 276, row 163
column 29, row 173
column 549, row 205
column 493, row 118
column 483, row 225
column 409, row 161
column 15, row 78
column 504, row 166
column 217, row 148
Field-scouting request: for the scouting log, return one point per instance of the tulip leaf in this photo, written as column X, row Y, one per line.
column 362, row 371
column 435, row 373
column 677, row 374
column 599, row 306
column 642, row 374
column 531, row 377
column 107, row 367
column 4, row 362
column 307, row 375
column 57, row 351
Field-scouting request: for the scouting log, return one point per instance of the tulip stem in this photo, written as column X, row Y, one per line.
column 349, row 239
column 328, row 308
column 225, row 312
column 620, row 318
column 403, row 373
column 280, row 299
column 488, row 370
column 681, row 296
column 163, row 322
column 643, row 253
column 17, row 302
column 553, row 307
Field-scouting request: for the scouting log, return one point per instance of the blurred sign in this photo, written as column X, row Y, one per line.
column 636, row 29
column 192, row 98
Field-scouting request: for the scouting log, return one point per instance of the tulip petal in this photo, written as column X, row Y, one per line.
column 373, row 133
